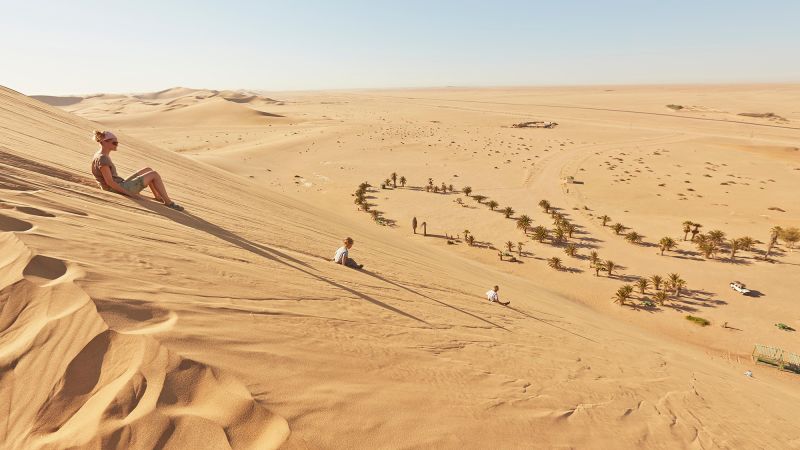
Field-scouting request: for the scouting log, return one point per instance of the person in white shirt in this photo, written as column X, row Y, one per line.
column 494, row 297
column 343, row 255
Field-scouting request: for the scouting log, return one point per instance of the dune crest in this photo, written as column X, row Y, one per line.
column 98, row 388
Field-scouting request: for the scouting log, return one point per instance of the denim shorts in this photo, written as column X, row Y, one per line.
column 133, row 185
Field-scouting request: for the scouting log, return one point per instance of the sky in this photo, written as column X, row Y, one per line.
column 81, row 46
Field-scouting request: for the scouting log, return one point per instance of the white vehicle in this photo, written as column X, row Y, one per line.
column 739, row 287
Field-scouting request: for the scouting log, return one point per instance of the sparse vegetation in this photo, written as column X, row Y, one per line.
column 623, row 294
column 523, row 223
column 540, row 233
column 492, row 204
column 633, row 237
column 605, row 219
column 508, row 211
column 618, row 228
column 571, row 250
column 666, row 243
column 698, row 320
column 555, row 263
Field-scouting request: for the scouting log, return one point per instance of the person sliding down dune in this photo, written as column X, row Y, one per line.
column 343, row 255
column 105, row 173
column 494, row 297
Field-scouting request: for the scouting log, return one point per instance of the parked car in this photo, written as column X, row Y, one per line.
column 739, row 287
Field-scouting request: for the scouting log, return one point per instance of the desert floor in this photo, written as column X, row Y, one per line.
column 227, row 324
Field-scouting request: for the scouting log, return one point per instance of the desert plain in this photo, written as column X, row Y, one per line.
column 124, row 324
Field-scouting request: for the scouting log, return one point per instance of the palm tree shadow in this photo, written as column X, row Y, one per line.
column 385, row 280
column 192, row 221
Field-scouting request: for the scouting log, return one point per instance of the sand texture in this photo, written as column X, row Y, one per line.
column 125, row 324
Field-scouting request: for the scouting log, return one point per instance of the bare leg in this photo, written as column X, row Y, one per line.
column 153, row 180
column 141, row 172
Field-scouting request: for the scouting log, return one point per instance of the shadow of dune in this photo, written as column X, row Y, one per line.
column 197, row 223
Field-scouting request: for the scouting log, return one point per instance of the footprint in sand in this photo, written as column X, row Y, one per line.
column 11, row 224
column 43, row 269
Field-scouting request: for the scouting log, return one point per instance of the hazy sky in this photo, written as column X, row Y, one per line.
column 79, row 46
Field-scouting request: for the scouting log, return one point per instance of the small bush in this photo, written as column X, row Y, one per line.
column 698, row 320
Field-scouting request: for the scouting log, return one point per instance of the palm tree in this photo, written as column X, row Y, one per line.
column 597, row 268
column 519, row 248
column 642, row 284
column 666, row 243
column 559, row 235
column 623, row 294
column 618, row 228
column 609, row 267
column 633, row 237
column 387, row 182
column 746, row 243
column 508, row 211
column 773, row 239
column 605, row 219
column 734, row 244
column 470, row 240
column 696, row 229
column 570, row 228
column 594, row 258
column 675, row 283
column 555, row 263
column 436, row 189
column 545, row 205
column 375, row 214
column 403, row 181
column 467, row 190
column 539, row 233
column 705, row 245
column 717, row 237
column 509, row 245
column 450, row 187
column 656, row 280
column 393, row 176
column 444, row 188
column 687, row 227
column 523, row 223
column 571, row 249
column 430, row 183
column 466, row 234
column 661, row 297
column 479, row 198
column 492, row 204
column 790, row 236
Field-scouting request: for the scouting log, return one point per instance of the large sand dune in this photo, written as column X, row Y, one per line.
column 154, row 326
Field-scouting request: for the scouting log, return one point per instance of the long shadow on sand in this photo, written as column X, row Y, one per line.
column 192, row 221
column 544, row 321
column 375, row 275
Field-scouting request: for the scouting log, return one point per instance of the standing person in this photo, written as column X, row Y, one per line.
column 343, row 255
column 493, row 296
column 105, row 173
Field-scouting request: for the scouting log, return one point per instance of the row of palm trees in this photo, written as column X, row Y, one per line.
column 394, row 179
column 430, row 187
column 663, row 287
column 361, row 200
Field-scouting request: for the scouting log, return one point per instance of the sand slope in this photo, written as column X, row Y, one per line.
column 404, row 355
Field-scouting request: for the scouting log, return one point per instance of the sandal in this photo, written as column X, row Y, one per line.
column 175, row 206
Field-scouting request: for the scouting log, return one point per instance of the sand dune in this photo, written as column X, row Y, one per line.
column 190, row 316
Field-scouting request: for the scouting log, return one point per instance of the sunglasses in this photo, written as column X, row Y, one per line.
column 114, row 142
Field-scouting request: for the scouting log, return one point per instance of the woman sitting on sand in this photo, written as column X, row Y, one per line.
column 105, row 173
